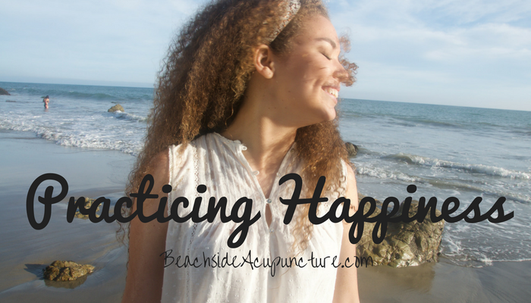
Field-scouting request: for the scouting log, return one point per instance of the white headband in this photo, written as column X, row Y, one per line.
column 292, row 8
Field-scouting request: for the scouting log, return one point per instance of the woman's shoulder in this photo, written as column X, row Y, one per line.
column 351, row 186
column 197, row 142
column 183, row 159
column 170, row 161
column 158, row 167
column 180, row 153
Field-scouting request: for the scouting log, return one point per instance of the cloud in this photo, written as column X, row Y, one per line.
column 439, row 51
column 407, row 50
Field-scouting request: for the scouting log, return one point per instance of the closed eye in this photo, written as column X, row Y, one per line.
column 327, row 57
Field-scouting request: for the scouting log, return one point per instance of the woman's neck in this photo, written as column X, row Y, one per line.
column 267, row 143
column 267, row 140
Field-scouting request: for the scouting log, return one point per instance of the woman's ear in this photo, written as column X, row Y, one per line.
column 263, row 61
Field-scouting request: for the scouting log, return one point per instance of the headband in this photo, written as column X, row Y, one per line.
column 292, row 8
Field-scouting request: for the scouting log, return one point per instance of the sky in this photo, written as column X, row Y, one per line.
column 473, row 53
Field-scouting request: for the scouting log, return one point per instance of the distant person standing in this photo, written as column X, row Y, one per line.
column 46, row 100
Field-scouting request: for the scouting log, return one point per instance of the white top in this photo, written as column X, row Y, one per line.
column 218, row 163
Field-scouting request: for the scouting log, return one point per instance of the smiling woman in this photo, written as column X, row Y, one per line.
column 308, row 78
column 248, row 95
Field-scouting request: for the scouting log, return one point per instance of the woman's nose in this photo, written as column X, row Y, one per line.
column 345, row 72
column 341, row 73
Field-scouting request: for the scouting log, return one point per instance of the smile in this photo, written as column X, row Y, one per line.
column 332, row 91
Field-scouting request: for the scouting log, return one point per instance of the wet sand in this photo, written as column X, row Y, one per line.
column 24, row 251
column 446, row 282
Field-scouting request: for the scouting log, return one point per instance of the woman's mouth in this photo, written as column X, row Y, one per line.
column 332, row 91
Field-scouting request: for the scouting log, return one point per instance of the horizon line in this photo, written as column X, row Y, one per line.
column 145, row 85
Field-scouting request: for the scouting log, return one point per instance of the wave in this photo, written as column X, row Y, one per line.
column 107, row 94
column 414, row 122
column 129, row 116
column 122, row 140
column 461, row 249
column 94, row 96
column 460, row 185
column 523, row 132
column 92, row 143
column 69, row 94
column 441, row 183
column 381, row 173
column 473, row 168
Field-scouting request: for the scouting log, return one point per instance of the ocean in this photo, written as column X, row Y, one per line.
column 446, row 151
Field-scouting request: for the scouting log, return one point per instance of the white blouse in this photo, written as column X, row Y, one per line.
column 201, row 267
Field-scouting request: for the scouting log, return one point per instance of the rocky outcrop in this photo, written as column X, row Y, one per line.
column 88, row 204
column 352, row 149
column 405, row 244
column 116, row 108
column 4, row 92
column 66, row 271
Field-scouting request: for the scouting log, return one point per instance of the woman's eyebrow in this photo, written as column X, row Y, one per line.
column 327, row 40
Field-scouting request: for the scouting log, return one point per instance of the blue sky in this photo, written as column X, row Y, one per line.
column 453, row 52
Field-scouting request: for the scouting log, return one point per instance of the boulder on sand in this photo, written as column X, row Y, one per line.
column 405, row 244
column 88, row 204
column 66, row 271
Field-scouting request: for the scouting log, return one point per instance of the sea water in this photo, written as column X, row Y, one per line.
column 77, row 114
column 444, row 150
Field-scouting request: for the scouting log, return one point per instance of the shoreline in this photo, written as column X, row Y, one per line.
column 25, row 251
column 446, row 282
column 93, row 173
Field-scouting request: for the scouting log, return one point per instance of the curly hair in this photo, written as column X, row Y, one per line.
column 201, row 86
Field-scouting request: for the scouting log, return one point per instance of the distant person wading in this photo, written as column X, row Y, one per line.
column 46, row 100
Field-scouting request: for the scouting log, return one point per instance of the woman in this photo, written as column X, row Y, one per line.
column 247, row 96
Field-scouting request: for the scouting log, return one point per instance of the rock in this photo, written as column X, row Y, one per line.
column 405, row 244
column 88, row 204
column 116, row 108
column 66, row 271
column 66, row 284
column 352, row 149
column 4, row 92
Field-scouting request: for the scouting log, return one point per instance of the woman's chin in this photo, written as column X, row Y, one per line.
column 325, row 117
column 330, row 114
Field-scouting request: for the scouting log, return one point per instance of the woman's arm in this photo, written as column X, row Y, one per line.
column 147, row 241
column 347, row 278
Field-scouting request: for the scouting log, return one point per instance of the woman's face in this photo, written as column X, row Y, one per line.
column 308, row 78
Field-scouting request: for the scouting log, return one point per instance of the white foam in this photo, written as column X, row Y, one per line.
column 474, row 168
column 382, row 173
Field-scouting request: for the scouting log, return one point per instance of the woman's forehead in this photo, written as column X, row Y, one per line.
column 317, row 28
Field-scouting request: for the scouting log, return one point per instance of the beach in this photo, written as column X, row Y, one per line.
column 94, row 151
column 93, row 173
column 446, row 282
column 25, row 252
